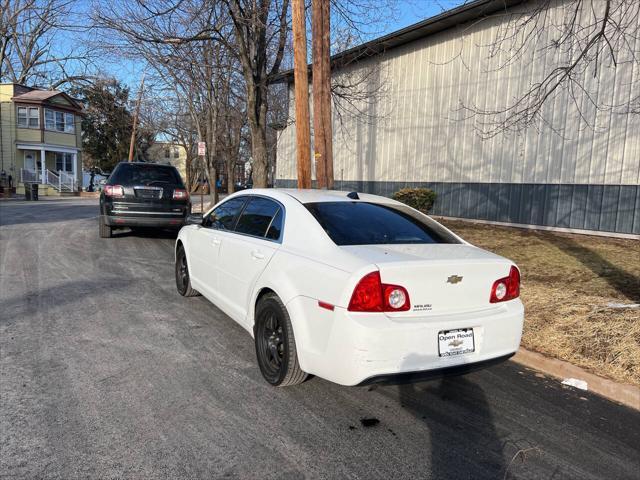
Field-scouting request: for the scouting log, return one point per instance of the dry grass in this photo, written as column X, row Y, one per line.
column 567, row 283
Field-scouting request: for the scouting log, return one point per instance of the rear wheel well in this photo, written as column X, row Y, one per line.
column 261, row 294
column 264, row 291
column 178, row 245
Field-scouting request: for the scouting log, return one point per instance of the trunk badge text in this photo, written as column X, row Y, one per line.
column 453, row 279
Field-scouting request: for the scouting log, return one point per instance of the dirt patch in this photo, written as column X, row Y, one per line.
column 570, row 285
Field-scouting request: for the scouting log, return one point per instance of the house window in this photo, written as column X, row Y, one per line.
column 59, row 121
column 64, row 162
column 176, row 152
column 49, row 119
column 167, row 153
column 28, row 117
column 69, row 127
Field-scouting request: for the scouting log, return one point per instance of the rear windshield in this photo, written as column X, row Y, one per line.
column 151, row 174
column 362, row 223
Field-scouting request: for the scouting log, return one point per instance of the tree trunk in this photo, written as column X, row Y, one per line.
column 188, row 172
column 260, row 168
column 230, row 176
column 213, row 188
column 257, row 115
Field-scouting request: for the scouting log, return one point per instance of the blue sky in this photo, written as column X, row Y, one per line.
column 407, row 13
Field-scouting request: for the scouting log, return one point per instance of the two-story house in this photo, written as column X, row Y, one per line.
column 40, row 139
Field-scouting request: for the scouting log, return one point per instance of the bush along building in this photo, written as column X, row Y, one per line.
column 408, row 112
column 40, row 139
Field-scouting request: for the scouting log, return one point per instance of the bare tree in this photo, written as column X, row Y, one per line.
column 253, row 32
column 32, row 47
column 584, row 38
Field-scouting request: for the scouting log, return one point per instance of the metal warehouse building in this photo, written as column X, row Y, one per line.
column 580, row 173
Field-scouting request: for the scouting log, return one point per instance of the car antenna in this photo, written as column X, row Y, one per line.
column 353, row 195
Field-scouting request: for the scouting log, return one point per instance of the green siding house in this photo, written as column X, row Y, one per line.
column 40, row 139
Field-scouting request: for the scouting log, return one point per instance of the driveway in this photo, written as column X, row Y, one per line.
column 105, row 371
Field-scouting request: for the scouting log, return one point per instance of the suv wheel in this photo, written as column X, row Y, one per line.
column 105, row 230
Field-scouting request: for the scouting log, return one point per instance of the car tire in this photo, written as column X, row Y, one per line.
column 275, row 343
column 183, row 280
column 105, row 230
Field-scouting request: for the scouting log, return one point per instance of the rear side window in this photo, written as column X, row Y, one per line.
column 275, row 230
column 361, row 223
column 257, row 217
column 224, row 216
column 145, row 174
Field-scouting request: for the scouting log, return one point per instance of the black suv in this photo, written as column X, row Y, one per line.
column 143, row 195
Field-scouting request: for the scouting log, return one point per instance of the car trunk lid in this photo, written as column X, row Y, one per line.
column 440, row 278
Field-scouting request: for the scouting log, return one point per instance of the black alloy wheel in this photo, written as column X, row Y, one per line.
column 270, row 346
column 275, row 343
column 183, row 282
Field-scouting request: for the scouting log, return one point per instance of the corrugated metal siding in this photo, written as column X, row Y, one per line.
column 416, row 134
column 605, row 208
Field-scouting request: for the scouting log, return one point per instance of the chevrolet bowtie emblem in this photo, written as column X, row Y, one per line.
column 453, row 279
column 455, row 343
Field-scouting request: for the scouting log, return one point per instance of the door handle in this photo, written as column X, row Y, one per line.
column 215, row 241
column 257, row 255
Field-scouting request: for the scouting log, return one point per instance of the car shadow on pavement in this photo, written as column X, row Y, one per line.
column 464, row 442
column 33, row 302
column 147, row 233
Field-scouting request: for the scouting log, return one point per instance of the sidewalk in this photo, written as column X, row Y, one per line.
column 47, row 198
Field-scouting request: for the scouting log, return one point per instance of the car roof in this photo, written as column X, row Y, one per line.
column 318, row 196
column 147, row 164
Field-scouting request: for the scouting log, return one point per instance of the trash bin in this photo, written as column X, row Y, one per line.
column 27, row 191
column 34, row 191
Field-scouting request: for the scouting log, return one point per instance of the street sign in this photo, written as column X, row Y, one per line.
column 202, row 149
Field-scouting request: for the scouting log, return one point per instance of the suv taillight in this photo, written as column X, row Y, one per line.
column 114, row 191
column 506, row 288
column 371, row 295
column 180, row 194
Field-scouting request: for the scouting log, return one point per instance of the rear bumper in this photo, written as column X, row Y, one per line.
column 147, row 221
column 353, row 348
column 411, row 377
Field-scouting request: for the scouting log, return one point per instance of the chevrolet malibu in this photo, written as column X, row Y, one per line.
column 350, row 287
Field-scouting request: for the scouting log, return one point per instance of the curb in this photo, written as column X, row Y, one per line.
column 628, row 395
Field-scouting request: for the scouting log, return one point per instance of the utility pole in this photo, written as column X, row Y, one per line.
column 301, row 85
column 135, row 120
column 321, row 78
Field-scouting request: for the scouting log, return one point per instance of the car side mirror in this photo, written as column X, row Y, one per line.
column 194, row 219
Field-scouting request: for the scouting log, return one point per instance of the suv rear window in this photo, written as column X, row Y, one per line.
column 145, row 174
column 362, row 223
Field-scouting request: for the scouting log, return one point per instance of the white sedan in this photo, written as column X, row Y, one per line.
column 350, row 287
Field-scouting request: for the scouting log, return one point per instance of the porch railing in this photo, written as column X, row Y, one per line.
column 61, row 181
column 66, row 182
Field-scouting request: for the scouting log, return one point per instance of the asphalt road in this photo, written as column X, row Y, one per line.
column 106, row 372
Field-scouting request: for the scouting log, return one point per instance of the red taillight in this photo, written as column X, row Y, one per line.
column 506, row 288
column 371, row 295
column 114, row 191
column 367, row 296
column 179, row 194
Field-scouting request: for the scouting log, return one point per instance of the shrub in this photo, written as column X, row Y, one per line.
column 419, row 198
